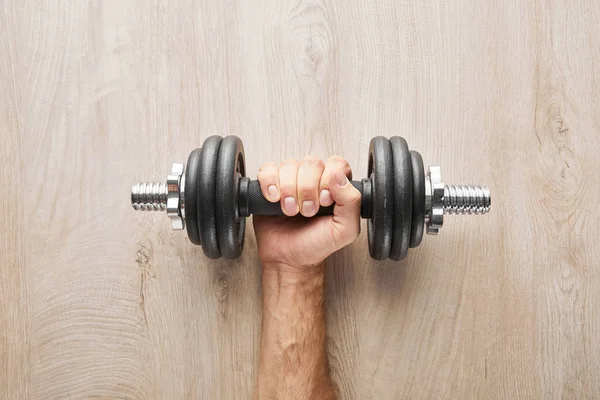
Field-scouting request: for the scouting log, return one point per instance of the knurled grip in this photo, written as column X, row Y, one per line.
column 252, row 201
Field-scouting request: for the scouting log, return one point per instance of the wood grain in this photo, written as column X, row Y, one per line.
column 100, row 302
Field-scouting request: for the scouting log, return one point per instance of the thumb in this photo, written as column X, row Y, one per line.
column 346, row 212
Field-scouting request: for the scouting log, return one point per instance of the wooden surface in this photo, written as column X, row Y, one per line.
column 97, row 301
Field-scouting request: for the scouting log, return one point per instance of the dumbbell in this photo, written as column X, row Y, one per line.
column 211, row 196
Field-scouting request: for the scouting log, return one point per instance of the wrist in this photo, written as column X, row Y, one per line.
column 285, row 277
column 293, row 269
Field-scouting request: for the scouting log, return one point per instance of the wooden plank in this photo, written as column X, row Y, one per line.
column 14, row 294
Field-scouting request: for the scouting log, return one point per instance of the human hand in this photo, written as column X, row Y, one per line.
column 299, row 244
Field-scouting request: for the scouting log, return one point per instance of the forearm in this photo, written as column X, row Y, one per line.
column 293, row 353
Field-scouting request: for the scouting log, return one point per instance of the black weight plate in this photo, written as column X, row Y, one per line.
column 403, row 198
column 190, row 197
column 205, row 190
column 380, row 226
column 418, row 209
column 231, row 167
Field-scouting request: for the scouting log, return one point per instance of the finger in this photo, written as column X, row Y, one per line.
column 288, row 178
column 268, row 177
column 309, row 177
column 334, row 163
column 346, row 213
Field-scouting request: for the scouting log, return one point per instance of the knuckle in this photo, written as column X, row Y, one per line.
column 267, row 166
column 337, row 162
column 312, row 161
column 268, row 174
column 337, row 159
column 289, row 162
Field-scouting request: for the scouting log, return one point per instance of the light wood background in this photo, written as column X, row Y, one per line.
column 97, row 301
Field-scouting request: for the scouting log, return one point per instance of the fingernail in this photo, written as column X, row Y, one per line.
column 340, row 178
column 273, row 193
column 308, row 208
column 325, row 197
column 289, row 205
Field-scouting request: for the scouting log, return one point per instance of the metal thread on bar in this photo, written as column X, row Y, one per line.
column 466, row 199
column 149, row 196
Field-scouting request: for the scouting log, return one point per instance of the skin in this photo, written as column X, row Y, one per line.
column 293, row 352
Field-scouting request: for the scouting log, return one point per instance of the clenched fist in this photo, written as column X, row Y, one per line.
column 297, row 244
